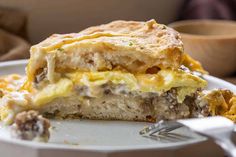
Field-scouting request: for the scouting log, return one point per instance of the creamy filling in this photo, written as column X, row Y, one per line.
column 67, row 84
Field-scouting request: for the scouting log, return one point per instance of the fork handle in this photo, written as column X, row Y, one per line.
column 228, row 146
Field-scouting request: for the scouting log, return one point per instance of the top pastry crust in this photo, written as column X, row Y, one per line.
column 128, row 45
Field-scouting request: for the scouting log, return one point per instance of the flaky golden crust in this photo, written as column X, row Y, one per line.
column 149, row 37
column 134, row 46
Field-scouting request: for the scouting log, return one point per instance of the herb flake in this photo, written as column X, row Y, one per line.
column 60, row 49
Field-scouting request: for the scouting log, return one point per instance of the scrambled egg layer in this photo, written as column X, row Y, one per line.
column 60, row 89
column 160, row 82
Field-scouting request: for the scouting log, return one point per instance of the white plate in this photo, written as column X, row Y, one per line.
column 90, row 137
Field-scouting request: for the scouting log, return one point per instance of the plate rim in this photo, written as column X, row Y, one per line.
column 13, row 62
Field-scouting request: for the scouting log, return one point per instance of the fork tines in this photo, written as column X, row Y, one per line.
column 161, row 127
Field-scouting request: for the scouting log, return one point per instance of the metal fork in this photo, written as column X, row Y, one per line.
column 218, row 128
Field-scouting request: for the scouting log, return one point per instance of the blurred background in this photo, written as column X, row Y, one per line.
column 27, row 22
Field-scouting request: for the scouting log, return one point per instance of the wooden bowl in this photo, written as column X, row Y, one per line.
column 212, row 42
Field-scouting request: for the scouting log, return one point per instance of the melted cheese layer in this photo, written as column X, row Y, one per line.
column 164, row 80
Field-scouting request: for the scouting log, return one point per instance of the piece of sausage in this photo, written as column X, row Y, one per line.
column 31, row 126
